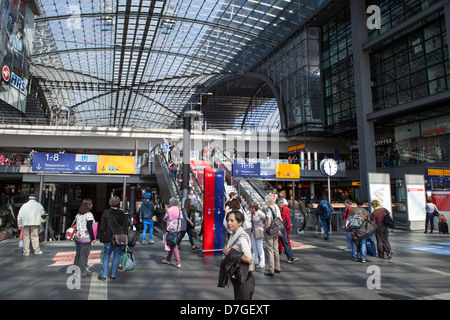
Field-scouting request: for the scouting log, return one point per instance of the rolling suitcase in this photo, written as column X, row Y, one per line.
column 443, row 227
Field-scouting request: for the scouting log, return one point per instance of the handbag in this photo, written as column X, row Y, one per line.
column 258, row 233
column 388, row 220
column 72, row 231
column 172, row 237
column 127, row 261
column 120, row 239
column 276, row 225
column 436, row 212
column 367, row 228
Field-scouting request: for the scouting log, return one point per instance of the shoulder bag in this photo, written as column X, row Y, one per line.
column 367, row 228
column 276, row 224
column 172, row 237
column 72, row 231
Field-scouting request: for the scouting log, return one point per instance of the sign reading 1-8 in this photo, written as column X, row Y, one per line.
column 52, row 156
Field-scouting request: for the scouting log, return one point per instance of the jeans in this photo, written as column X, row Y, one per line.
column 147, row 223
column 107, row 250
column 362, row 249
column 429, row 220
column 287, row 248
column 257, row 248
column 326, row 227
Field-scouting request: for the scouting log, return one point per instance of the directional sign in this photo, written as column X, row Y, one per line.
column 246, row 169
column 62, row 162
column 115, row 164
column 287, row 171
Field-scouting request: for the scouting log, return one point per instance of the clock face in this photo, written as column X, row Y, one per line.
column 329, row 167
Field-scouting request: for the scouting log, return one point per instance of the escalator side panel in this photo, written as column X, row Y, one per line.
column 166, row 191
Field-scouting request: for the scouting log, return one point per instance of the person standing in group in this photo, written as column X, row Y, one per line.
column 324, row 211
column 147, row 211
column 258, row 223
column 286, row 217
column 430, row 207
column 382, row 232
column 84, row 236
column 348, row 206
column 173, row 219
column 113, row 221
column 29, row 220
column 272, row 240
column 240, row 241
column 187, row 224
column 359, row 210
column 282, row 234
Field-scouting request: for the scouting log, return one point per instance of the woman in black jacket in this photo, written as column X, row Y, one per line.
column 113, row 222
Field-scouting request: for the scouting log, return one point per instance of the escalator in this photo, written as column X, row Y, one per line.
column 167, row 181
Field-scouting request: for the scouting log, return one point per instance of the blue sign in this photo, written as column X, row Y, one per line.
column 246, row 169
column 64, row 162
column 218, row 210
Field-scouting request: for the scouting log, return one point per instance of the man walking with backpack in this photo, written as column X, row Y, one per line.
column 324, row 212
column 359, row 246
column 146, row 212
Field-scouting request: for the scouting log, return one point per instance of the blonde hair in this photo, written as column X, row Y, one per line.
column 375, row 203
column 269, row 200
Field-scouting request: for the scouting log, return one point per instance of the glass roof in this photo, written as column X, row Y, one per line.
column 142, row 63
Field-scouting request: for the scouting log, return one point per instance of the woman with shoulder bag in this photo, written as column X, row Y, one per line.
column 113, row 222
column 84, row 236
column 382, row 232
column 172, row 219
column 239, row 244
column 187, row 224
column 257, row 235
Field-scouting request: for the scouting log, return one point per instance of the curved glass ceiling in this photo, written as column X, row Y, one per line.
column 142, row 63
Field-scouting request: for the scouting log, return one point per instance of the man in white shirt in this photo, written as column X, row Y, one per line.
column 29, row 220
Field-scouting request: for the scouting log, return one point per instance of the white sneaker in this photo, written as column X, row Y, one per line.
column 26, row 254
column 40, row 252
column 165, row 261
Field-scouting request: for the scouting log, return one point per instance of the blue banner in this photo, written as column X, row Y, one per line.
column 246, row 169
column 64, row 162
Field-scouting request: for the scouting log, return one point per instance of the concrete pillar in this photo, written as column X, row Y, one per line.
column 363, row 94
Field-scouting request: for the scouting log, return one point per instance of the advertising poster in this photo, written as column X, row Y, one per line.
column 415, row 197
column 380, row 189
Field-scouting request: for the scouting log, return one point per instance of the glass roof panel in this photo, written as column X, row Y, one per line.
column 142, row 63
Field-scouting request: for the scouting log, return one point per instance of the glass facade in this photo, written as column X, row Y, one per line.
column 395, row 12
column 337, row 73
column 295, row 70
column 411, row 66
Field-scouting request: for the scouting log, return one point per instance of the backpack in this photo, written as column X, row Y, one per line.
column 353, row 222
column 324, row 209
column 388, row 220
